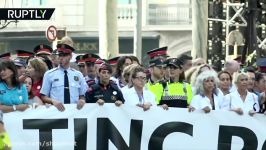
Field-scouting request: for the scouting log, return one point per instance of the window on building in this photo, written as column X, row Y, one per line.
column 34, row 3
column 126, row 1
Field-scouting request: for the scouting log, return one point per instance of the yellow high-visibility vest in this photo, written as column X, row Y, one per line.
column 4, row 141
column 177, row 90
column 156, row 89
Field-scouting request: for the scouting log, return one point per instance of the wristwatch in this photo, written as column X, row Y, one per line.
column 14, row 107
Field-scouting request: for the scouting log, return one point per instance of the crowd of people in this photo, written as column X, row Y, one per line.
column 47, row 77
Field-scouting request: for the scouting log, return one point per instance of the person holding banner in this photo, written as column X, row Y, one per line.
column 225, row 82
column 34, row 100
column 127, row 77
column 105, row 91
column 36, row 69
column 241, row 101
column 58, row 82
column 176, row 92
column 206, row 92
column 138, row 94
column 13, row 94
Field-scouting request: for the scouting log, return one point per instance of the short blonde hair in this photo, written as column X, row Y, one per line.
column 127, row 72
column 39, row 65
column 237, row 75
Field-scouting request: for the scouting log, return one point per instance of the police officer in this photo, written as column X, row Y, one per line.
column 105, row 91
column 90, row 60
column 158, row 53
column 21, row 69
column 58, row 82
column 54, row 58
column 43, row 49
column 81, row 65
column 113, row 62
column 21, row 62
column 176, row 92
column 44, row 52
column 154, row 82
column 23, row 54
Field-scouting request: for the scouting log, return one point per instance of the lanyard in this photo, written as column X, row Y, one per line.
column 213, row 105
column 141, row 99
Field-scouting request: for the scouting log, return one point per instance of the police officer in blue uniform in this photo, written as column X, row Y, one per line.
column 90, row 60
column 105, row 91
column 58, row 82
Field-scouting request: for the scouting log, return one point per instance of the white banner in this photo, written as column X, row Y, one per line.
column 110, row 127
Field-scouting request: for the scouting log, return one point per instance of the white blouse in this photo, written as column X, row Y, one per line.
column 124, row 89
column 234, row 101
column 200, row 102
column 131, row 97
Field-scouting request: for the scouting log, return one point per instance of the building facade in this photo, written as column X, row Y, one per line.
column 164, row 23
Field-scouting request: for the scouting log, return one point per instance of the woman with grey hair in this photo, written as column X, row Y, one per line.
column 206, row 93
column 241, row 101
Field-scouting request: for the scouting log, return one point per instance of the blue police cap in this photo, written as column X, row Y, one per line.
column 20, row 62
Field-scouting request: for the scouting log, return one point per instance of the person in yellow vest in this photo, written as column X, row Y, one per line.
column 176, row 92
column 154, row 83
column 5, row 143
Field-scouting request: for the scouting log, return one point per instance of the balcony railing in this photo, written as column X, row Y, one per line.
column 169, row 14
column 126, row 14
column 157, row 14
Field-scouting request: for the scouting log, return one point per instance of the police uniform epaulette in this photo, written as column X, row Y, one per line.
column 91, row 82
column 94, row 87
column 73, row 69
column 52, row 70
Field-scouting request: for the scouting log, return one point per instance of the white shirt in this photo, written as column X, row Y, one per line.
column 116, row 80
column 124, row 89
column 233, row 88
column 234, row 101
column 131, row 97
column 200, row 102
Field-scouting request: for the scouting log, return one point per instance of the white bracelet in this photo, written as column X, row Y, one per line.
column 14, row 107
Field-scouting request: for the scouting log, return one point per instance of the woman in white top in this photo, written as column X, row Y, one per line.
column 138, row 95
column 127, row 77
column 225, row 83
column 206, row 92
column 241, row 101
